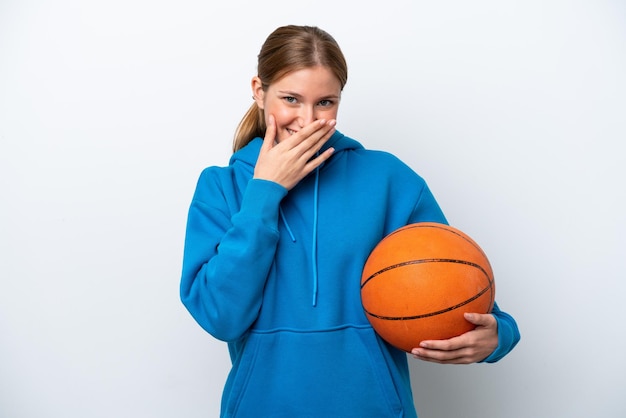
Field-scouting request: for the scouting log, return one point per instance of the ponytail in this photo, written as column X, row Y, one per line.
column 252, row 125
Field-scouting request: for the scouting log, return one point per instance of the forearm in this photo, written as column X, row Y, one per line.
column 227, row 261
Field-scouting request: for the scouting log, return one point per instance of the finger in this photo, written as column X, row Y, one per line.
column 270, row 133
column 319, row 127
column 480, row 319
column 319, row 160
column 311, row 145
column 321, row 136
column 442, row 357
column 451, row 344
column 311, row 135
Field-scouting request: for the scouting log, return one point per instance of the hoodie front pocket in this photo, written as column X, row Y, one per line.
column 336, row 373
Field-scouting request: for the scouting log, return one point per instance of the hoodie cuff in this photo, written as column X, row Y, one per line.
column 261, row 200
column 508, row 335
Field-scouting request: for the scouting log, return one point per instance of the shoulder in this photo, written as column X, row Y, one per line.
column 215, row 181
column 213, row 175
column 384, row 157
column 384, row 161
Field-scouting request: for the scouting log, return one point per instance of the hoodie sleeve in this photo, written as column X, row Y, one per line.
column 226, row 260
column 427, row 210
column 508, row 335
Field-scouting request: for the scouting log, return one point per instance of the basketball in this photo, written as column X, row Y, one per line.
column 419, row 281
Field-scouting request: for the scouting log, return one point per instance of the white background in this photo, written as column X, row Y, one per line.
column 513, row 111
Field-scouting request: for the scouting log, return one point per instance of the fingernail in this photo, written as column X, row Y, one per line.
column 332, row 122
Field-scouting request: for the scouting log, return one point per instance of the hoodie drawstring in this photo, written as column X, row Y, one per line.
column 282, row 216
column 314, row 243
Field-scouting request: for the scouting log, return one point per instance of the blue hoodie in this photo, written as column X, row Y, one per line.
column 276, row 274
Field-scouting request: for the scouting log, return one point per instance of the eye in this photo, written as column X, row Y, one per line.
column 325, row 103
column 290, row 99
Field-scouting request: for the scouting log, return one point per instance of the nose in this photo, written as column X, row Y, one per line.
column 306, row 115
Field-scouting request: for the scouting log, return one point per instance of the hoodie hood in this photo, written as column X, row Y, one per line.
column 249, row 154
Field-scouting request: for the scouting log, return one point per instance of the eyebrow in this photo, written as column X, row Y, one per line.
column 299, row 96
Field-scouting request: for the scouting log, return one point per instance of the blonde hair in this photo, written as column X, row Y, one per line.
column 289, row 48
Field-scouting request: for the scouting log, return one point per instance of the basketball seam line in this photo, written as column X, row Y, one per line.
column 427, row 260
column 430, row 260
column 447, row 228
column 448, row 309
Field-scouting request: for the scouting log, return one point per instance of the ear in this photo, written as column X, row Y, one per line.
column 258, row 94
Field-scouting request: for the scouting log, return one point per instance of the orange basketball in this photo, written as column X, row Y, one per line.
column 419, row 281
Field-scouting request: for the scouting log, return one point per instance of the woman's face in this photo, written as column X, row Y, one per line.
column 298, row 99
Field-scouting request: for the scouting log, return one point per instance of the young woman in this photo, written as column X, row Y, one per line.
column 276, row 243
